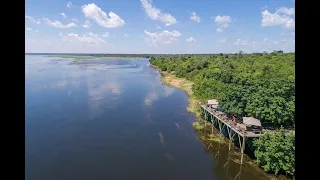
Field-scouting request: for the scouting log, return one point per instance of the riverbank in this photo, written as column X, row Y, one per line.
column 183, row 84
column 204, row 130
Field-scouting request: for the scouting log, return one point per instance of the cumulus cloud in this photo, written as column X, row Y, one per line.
column 63, row 14
column 156, row 14
column 69, row 4
column 106, row 34
column 164, row 37
column 287, row 11
column 32, row 19
column 89, row 38
column 158, row 27
column 74, row 20
column 241, row 42
column 126, row 35
column 191, row 39
column 92, row 11
column 194, row 17
column 282, row 17
column 58, row 24
column 222, row 22
column 28, row 29
column 87, row 24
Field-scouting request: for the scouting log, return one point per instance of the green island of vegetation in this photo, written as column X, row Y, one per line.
column 76, row 58
column 261, row 85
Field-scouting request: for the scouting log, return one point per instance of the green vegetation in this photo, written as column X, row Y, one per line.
column 261, row 85
column 78, row 57
column 276, row 152
column 75, row 57
column 258, row 85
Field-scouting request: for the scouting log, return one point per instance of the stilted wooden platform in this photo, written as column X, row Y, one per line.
column 223, row 122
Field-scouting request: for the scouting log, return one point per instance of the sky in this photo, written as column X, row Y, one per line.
column 159, row 26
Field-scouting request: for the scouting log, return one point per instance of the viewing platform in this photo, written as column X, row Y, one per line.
column 250, row 128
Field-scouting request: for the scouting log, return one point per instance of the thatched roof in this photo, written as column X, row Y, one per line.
column 213, row 102
column 251, row 121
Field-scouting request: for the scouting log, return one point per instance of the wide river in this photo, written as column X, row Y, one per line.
column 113, row 119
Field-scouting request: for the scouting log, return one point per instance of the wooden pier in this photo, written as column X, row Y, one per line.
column 223, row 122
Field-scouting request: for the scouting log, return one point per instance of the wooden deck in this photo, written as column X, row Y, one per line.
column 223, row 122
column 229, row 124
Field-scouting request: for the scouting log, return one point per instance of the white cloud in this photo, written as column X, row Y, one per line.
column 32, row 19
column 164, row 37
column 158, row 27
column 241, row 42
column 286, row 11
column 69, row 4
column 223, row 19
column 106, row 34
column 156, row 14
column 219, row 29
column 74, row 20
column 58, row 24
column 222, row 40
column 191, row 39
column 194, row 17
column 222, row 22
column 126, row 35
column 244, row 42
column 37, row 31
column 63, row 14
column 87, row 24
column 89, row 38
column 28, row 29
column 60, row 34
column 92, row 11
column 279, row 18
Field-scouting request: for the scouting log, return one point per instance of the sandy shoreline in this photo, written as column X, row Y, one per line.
column 180, row 83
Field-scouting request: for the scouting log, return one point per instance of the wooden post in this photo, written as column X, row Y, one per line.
column 243, row 147
column 229, row 133
column 205, row 121
column 212, row 128
column 240, row 144
column 219, row 126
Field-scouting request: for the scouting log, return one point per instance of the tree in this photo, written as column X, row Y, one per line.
column 276, row 152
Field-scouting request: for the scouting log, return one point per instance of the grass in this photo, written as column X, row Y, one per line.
column 198, row 126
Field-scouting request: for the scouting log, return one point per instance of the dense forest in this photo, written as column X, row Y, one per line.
column 260, row 85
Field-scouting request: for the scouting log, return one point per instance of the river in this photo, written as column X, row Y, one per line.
column 112, row 118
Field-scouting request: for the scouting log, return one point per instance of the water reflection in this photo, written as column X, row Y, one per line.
column 151, row 97
column 94, row 119
column 227, row 163
column 156, row 93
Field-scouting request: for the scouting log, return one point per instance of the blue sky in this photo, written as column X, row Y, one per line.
column 159, row 26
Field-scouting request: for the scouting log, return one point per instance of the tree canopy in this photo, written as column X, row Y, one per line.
column 276, row 152
column 260, row 85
